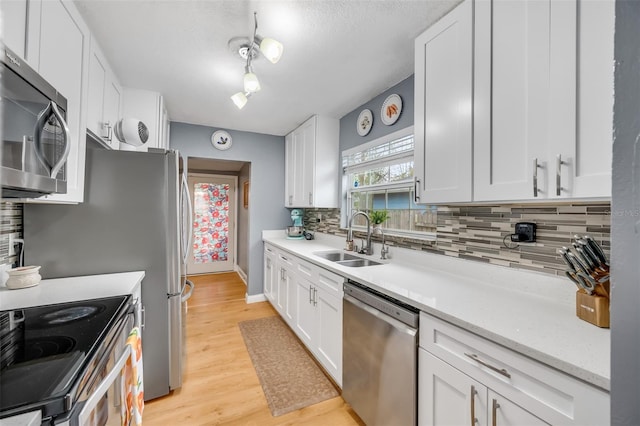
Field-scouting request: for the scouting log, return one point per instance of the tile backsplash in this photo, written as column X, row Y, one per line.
column 10, row 225
column 476, row 232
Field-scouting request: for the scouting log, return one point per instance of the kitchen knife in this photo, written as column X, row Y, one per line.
column 563, row 255
column 595, row 259
column 597, row 250
column 586, row 260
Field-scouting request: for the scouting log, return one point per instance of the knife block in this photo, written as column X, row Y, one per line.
column 592, row 308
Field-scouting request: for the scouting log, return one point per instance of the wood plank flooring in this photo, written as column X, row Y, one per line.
column 220, row 385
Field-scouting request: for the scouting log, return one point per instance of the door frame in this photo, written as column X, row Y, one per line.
column 232, row 233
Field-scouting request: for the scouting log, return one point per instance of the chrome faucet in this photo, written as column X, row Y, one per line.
column 369, row 248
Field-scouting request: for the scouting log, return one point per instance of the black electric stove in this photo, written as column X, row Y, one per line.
column 45, row 351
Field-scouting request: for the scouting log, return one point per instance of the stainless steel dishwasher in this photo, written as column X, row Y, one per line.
column 379, row 356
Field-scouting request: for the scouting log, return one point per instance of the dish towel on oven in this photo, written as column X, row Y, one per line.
column 132, row 386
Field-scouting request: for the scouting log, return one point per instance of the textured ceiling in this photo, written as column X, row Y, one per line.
column 338, row 54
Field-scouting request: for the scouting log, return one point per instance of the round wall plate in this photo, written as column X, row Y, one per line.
column 364, row 123
column 391, row 109
column 221, row 140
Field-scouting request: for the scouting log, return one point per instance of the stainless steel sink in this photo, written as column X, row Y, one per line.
column 356, row 263
column 335, row 256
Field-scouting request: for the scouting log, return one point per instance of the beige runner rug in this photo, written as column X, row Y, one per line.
column 289, row 377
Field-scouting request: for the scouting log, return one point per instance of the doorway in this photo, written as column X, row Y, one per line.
column 214, row 223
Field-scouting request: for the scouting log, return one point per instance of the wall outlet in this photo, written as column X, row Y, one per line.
column 525, row 232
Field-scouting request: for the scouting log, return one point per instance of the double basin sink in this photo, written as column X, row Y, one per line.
column 345, row 259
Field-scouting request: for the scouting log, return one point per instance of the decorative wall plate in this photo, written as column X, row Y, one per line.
column 221, row 140
column 364, row 123
column 391, row 109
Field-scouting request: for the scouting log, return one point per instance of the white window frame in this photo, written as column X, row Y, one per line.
column 346, row 185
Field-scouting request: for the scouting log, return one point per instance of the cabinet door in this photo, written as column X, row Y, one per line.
column 512, row 93
column 505, row 413
column 63, row 60
column 307, row 158
column 97, row 83
column 270, row 273
column 112, row 110
column 587, row 172
column 328, row 345
column 305, row 311
column 289, row 170
column 446, row 396
column 443, row 108
column 14, row 26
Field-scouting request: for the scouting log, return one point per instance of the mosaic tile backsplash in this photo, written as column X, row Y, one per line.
column 477, row 232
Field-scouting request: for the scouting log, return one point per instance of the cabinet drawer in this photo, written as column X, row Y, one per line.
column 330, row 282
column 305, row 269
column 554, row 396
column 286, row 259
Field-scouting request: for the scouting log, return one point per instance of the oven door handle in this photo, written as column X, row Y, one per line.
column 43, row 117
column 104, row 386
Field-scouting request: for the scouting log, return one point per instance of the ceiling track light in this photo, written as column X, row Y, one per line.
column 248, row 50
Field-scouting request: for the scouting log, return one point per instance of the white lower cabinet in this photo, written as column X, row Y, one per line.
column 270, row 272
column 309, row 299
column 465, row 379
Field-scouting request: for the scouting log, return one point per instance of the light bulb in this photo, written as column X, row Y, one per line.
column 240, row 99
column 271, row 49
column 251, row 83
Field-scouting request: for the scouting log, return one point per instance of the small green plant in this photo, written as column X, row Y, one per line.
column 379, row 216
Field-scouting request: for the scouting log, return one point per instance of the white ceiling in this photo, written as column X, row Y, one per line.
column 338, row 54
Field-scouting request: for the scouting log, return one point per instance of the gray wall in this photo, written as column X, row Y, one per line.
column 243, row 220
column 266, row 205
column 350, row 138
column 625, row 251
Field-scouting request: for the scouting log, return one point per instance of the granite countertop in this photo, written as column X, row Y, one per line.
column 529, row 312
column 61, row 290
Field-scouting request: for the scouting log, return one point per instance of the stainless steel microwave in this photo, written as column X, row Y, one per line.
column 35, row 135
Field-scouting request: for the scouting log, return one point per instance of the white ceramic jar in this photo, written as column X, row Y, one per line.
column 22, row 277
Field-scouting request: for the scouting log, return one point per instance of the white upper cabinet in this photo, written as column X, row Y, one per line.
column 58, row 47
column 589, row 160
column 542, row 102
column 524, row 89
column 148, row 107
column 311, row 164
column 105, row 97
column 14, row 25
column 443, row 108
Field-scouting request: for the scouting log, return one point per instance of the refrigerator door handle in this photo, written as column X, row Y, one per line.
column 187, row 197
column 191, row 285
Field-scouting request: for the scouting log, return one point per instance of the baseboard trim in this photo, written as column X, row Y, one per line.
column 255, row 298
column 243, row 275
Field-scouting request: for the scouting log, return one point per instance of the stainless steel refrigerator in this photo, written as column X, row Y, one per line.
column 136, row 215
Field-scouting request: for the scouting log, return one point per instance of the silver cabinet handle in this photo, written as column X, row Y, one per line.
column 43, row 117
column 559, row 164
column 536, row 166
column 315, row 296
column 290, row 199
column 489, row 366
column 494, row 412
column 107, row 124
column 310, row 295
column 474, row 392
column 310, row 199
column 416, row 183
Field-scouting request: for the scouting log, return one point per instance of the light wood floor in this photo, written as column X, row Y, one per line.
column 220, row 385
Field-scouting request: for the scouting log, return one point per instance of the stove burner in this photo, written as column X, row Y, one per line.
column 66, row 315
column 48, row 346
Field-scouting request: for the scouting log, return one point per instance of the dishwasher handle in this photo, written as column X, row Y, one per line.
column 398, row 325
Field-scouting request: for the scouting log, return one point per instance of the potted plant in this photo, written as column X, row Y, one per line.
column 379, row 216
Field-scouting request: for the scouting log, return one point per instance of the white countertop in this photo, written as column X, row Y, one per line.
column 61, row 290
column 529, row 312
